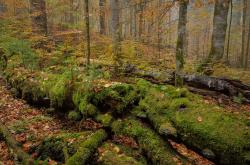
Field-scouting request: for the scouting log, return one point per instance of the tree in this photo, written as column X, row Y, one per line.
column 87, row 30
column 248, row 47
column 243, row 32
column 39, row 16
column 219, row 29
column 181, row 41
column 102, row 16
column 116, row 33
column 229, row 31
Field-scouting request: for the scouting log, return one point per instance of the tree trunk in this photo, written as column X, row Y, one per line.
column 219, row 29
column 87, row 30
column 243, row 32
column 39, row 16
column 71, row 14
column 116, row 33
column 248, row 47
column 102, row 17
column 229, row 32
column 140, row 28
column 181, row 42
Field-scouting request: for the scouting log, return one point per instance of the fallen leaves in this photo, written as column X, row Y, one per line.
column 191, row 155
column 90, row 124
column 127, row 141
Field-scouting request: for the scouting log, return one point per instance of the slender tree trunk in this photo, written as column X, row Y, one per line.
column 229, row 32
column 116, row 34
column 181, row 42
column 134, row 26
column 102, row 17
column 169, row 29
column 39, row 16
column 141, row 7
column 243, row 32
column 71, row 14
column 248, row 47
column 159, row 39
column 87, row 30
column 219, row 29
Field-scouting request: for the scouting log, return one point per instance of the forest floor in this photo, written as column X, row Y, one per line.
column 30, row 126
column 27, row 124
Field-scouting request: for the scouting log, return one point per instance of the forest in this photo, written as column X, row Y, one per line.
column 124, row 82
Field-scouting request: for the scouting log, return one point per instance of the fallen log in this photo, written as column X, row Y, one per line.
column 209, row 130
column 229, row 87
column 14, row 145
column 87, row 148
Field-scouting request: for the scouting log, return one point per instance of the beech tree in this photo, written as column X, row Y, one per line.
column 87, row 30
column 181, row 41
column 243, row 33
column 219, row 29
column 39, row 16
column 116, row 33
column 102, row 16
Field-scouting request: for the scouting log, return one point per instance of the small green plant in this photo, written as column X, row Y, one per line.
column 239, row 99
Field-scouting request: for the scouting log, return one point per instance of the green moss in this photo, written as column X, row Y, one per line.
column 117, row 98
column 87, row 148
column 110, row 154
column 57, row 87
column 180, row 104
column 156, row 149
column 74, row 115
column 54, row 147
column 198, row 124
column 105, row 119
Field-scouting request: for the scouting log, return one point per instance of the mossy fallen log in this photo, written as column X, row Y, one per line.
column 201, row 126
column 158, row 151
column 14, row 145
column 171, row 111
column 110, row 154
column 87, row 148
column 232, row 88
column 60, row 147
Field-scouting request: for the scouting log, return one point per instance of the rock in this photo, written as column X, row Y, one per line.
column 167, row 129
column 208, row 153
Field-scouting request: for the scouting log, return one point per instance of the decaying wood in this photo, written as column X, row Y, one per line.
column 201, row 84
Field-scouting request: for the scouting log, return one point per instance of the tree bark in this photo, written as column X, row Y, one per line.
column 243, row 33
column 116, row 33
column 39, row 16
column 229, row 32
column 181, row 42
column 102, row 17
column 219, row 29
column 248, row 47
column 87, row 30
